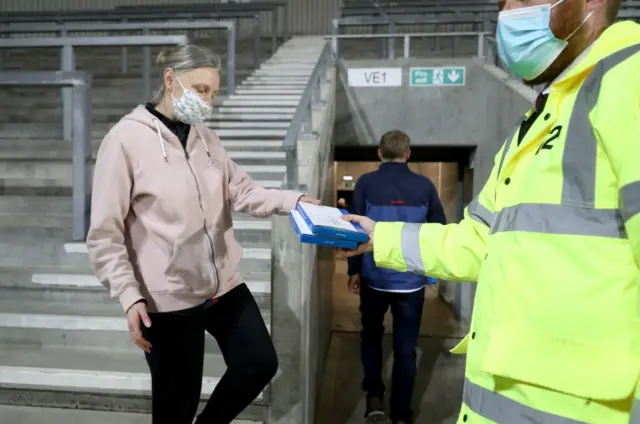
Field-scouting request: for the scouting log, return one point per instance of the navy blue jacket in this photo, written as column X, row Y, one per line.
column 393, row 193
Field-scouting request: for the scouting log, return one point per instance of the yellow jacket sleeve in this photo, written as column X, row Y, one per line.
column 619, row 135
column 449, row 252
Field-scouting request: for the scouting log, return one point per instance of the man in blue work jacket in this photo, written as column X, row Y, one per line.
column 392, row 193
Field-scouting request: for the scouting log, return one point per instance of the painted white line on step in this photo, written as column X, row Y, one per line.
column 264, row 97
column 236, row 155
column 267, row 103
column 262, row 287
column 259, row 132
column 86, row 380
column 251, row 169
column 87, row 280
column 63, row 322
column 247, row 253
column 241, row 109
column 74, row 280
column 252, row 144
column 228, row 125
column 253, row 116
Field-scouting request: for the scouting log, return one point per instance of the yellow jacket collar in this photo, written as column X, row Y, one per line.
column 617, row 37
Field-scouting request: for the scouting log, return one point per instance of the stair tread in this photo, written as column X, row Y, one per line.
column 9, row 275
column 87, row 369
column 38, row 415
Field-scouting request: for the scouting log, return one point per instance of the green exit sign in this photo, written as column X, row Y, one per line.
column 445, row 76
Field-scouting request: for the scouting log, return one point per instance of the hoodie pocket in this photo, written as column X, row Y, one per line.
column 190, row 267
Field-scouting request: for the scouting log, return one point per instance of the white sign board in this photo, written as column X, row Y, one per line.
column 375, row 77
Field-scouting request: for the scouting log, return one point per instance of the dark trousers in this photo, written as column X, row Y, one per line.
column 406, row 309
column 176, row 359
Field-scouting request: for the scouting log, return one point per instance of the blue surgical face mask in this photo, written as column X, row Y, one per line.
column 525, row 41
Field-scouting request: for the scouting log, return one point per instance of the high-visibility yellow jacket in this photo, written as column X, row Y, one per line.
column 553, row 240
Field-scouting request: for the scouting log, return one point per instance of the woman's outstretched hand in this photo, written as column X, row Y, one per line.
column 368, row 225
column 309, row 199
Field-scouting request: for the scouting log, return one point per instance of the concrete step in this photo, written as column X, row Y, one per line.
column 251, row 117
column 56, row 175
column 25, row 250
column 10, row 414
column 72, row 285
column 94, row 326
column 253, row 145
column 60, row 150
column 263, row 97
column 45, row 187
column 255, row 109
column 285, row 83
column 251, row 124
column 251, row 133
column 88, row 379
column 51, row 216
column 242, row 101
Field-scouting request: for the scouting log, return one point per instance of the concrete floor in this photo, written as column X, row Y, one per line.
column 438, row 389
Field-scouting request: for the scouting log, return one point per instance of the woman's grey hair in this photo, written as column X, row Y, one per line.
column 183, row 58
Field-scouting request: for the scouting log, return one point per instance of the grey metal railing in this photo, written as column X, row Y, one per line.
column 480, row 35
column 68, row 44
column 65, row 29
column 137, row 13
column 301, row 126
column 81, row 163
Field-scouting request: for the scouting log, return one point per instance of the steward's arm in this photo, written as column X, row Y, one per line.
column 449, row 252
column 620, row 139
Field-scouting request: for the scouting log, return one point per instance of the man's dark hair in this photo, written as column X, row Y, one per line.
column 394, row 145
column 611, row 10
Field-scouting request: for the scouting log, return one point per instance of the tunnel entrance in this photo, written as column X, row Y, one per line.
column 449, row 169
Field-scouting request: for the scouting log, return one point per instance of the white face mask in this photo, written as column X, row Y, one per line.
column 190, row 108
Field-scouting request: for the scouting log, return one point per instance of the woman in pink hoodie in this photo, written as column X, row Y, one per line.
column 161, row 240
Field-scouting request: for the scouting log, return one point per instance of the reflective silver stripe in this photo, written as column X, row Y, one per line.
column 576, row 214
column 630, row 200
column 635, row 412
column 410, row 246
column 560, row 219
column 580, row 149
column 502, row 410
column 480, row 213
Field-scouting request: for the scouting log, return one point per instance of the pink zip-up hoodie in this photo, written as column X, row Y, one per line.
column 161, row 227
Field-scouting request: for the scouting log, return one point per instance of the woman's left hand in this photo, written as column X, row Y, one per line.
column 309, row 199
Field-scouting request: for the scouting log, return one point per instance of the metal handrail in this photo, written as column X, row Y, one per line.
column 301, row 126
column 146, row 27
column 407, row 39
column 81, row 165
column 158, row 12
column 67, row 45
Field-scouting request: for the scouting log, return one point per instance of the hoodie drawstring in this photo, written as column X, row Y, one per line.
column 160, row 140
column 202, row 140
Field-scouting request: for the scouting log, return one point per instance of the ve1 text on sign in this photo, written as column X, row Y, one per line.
column 445, row 76
column 375, row 77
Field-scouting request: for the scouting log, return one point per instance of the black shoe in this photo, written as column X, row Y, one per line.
column 375, row 410
column 402, row 422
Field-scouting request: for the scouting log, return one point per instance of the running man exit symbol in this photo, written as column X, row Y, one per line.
column 445, row 76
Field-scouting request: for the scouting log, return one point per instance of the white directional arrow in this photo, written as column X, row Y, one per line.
column 453, row 76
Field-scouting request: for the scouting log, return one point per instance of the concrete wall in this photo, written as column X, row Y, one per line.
column 302, row 290
column 305, row 17
column 480, row 113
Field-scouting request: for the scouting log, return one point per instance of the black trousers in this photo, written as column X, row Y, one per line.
column 406, row 309
column 177, row 352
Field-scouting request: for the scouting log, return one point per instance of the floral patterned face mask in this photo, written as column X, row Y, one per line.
column 190, row 108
